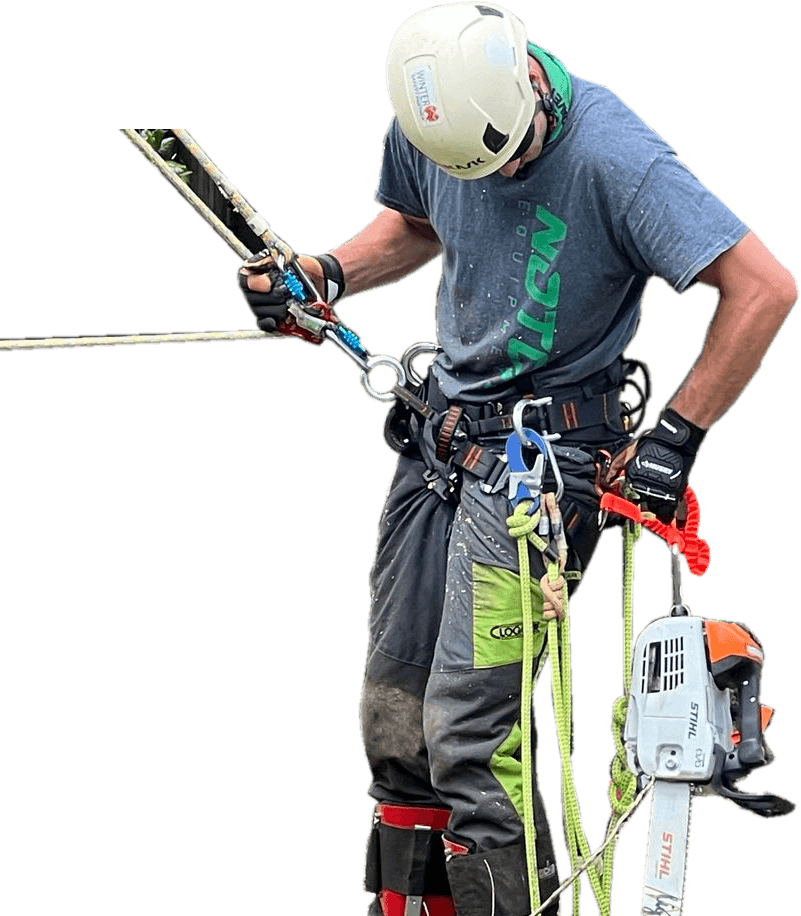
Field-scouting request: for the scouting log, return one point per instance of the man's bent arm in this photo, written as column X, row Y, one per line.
column 390, row 247
column 756, row 294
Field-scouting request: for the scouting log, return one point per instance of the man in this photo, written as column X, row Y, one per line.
column 551, row 204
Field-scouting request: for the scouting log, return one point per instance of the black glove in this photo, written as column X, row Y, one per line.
column 660, row 467
column 269, row 308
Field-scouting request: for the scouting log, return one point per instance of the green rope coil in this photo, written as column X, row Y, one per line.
column 623, row 788
column 522, row 528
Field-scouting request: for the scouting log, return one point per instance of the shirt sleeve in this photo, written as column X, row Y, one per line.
column 399, row 186
column 675, row 227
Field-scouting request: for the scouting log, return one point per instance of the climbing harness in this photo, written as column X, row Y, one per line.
column 191, row 172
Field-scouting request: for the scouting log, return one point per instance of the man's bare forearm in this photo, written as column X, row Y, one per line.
column 756, row 294
column 389, row 248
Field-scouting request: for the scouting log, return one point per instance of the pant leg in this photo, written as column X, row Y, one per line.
column 472, row 702
column 408, row 584
column 463, row 752
column 472, row 714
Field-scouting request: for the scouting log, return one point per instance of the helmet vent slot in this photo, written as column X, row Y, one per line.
column 494, row 140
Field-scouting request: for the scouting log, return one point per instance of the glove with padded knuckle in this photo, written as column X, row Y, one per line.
column 271, row 308
column 661, row 464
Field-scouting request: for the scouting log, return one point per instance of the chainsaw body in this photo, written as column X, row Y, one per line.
column 694, row 712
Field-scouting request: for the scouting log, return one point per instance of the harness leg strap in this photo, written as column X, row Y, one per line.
column 406, row 861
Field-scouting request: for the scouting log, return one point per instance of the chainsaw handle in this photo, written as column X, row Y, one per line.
column 751, row 750
column 735, row 660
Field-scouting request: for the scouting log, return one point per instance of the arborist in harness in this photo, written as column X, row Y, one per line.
column 551, row 204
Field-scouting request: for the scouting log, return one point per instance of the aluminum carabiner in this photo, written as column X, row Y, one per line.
column 525, row 482
column 542, row 441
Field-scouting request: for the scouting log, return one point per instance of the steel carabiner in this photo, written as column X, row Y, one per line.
column 542, row 441
column 411, row 354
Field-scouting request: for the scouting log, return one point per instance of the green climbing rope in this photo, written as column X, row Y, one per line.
column 623, row 785
column 623, row 791
column 523, row 527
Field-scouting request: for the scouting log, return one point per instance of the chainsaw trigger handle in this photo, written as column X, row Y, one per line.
column 765, row 805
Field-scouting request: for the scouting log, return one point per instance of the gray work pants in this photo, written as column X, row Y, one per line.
column 441, row 701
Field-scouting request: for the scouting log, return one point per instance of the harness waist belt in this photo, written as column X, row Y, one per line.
column 561, row 415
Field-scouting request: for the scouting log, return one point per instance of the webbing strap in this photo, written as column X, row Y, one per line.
column 413, row 817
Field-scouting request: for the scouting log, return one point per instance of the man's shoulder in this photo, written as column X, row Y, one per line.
column 604, row 132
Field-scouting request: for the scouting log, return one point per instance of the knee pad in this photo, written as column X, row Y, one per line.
column 406, row 861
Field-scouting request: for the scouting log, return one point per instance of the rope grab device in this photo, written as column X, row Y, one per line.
column 310, row 319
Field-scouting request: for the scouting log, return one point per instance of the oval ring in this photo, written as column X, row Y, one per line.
column 374, row 362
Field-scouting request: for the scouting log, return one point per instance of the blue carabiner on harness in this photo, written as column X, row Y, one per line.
column 522, row 436
column 525, row 482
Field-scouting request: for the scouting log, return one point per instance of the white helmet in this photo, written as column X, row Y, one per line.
column 459, row 83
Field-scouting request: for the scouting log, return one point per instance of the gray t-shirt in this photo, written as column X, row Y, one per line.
column 544, row 276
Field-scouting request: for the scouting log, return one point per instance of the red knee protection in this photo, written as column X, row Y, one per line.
column 409, row 817
column 393, row 904
column 407, row 861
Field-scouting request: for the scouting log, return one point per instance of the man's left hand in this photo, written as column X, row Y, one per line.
column 660, row 466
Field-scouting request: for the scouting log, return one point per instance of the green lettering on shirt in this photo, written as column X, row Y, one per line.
column 533, row 350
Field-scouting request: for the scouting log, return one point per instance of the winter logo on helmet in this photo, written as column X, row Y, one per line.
column 422, row 85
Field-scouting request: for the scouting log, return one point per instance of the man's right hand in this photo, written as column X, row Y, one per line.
column 265, row 291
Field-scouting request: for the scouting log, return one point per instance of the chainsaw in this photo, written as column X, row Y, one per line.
column 694, row 726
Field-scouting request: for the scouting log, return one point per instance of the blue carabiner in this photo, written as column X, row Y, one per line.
column 525, row 482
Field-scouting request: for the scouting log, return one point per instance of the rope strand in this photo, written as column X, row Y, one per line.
column 522, row 527
column 623, row 791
